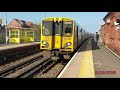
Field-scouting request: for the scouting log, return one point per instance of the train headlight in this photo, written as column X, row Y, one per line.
column 44, row 42
column 67, row 44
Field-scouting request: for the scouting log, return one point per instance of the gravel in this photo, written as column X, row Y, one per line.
column 2, row 67
column 52, row 73
column 24, row 69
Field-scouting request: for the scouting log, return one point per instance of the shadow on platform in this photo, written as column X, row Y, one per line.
column 95, row 46
column 93, row 43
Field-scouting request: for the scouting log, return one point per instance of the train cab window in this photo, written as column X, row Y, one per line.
column 67, row 29
column 47, row 28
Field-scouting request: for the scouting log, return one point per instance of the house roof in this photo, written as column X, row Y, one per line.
column 22, row 23
column 36, row 27
column 25, row 25
column 107, row 15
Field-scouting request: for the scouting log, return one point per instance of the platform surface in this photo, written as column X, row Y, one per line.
column 92, row 61
column 10, row 46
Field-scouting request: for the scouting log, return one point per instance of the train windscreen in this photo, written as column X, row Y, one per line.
column 67, row 28
column 47, row 27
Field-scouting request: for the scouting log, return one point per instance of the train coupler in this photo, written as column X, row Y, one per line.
column 54, row 58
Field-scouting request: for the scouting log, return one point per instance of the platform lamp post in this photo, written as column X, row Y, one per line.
column 6, row 28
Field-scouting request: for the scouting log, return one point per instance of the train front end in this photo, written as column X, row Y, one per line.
column 57, row 38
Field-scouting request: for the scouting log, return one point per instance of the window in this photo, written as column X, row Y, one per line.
column 58, row 28
column 23, row 33
column 28, row 34
column 47, row 28
column 31, row 34
column 118, row 21
column 14, row 34
column 23, row 23
column 67, row 28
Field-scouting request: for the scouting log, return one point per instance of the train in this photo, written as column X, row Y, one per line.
column 60, row 36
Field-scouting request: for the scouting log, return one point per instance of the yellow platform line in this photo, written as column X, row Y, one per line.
column 87, row 68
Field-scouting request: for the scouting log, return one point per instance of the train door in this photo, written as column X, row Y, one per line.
column 57, row 35
column 81, row 36
column 76, row 36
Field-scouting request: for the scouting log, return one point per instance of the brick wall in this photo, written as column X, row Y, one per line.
column 110, row 34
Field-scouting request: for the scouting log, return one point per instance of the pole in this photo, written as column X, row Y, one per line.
column 9, row 36
column 6, row 28
column 40, row 16
column 45, row 14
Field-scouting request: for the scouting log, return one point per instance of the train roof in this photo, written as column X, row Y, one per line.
column 65, row 18
column 51, row 18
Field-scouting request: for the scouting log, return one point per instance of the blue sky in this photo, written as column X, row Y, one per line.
column 90, row 21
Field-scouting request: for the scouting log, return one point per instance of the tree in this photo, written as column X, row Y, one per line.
column 3, row 27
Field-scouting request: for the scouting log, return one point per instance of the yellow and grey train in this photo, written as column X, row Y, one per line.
column 60, row 36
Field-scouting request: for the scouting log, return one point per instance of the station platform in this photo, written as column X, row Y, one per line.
column 92, row 61
column 11, row 46
column 8, row 49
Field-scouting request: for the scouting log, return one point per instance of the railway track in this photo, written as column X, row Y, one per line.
column 11, row 69
column 26, row 68
column 52, row 70
column 17, row 55
column 31, row 66
column 36, row 68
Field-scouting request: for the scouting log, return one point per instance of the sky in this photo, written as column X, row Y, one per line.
column 90, row 21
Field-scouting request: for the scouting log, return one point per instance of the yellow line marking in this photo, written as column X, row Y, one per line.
column 63, row 71
column 87, row 68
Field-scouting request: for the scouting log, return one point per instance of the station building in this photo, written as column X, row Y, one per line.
column 20, row 31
